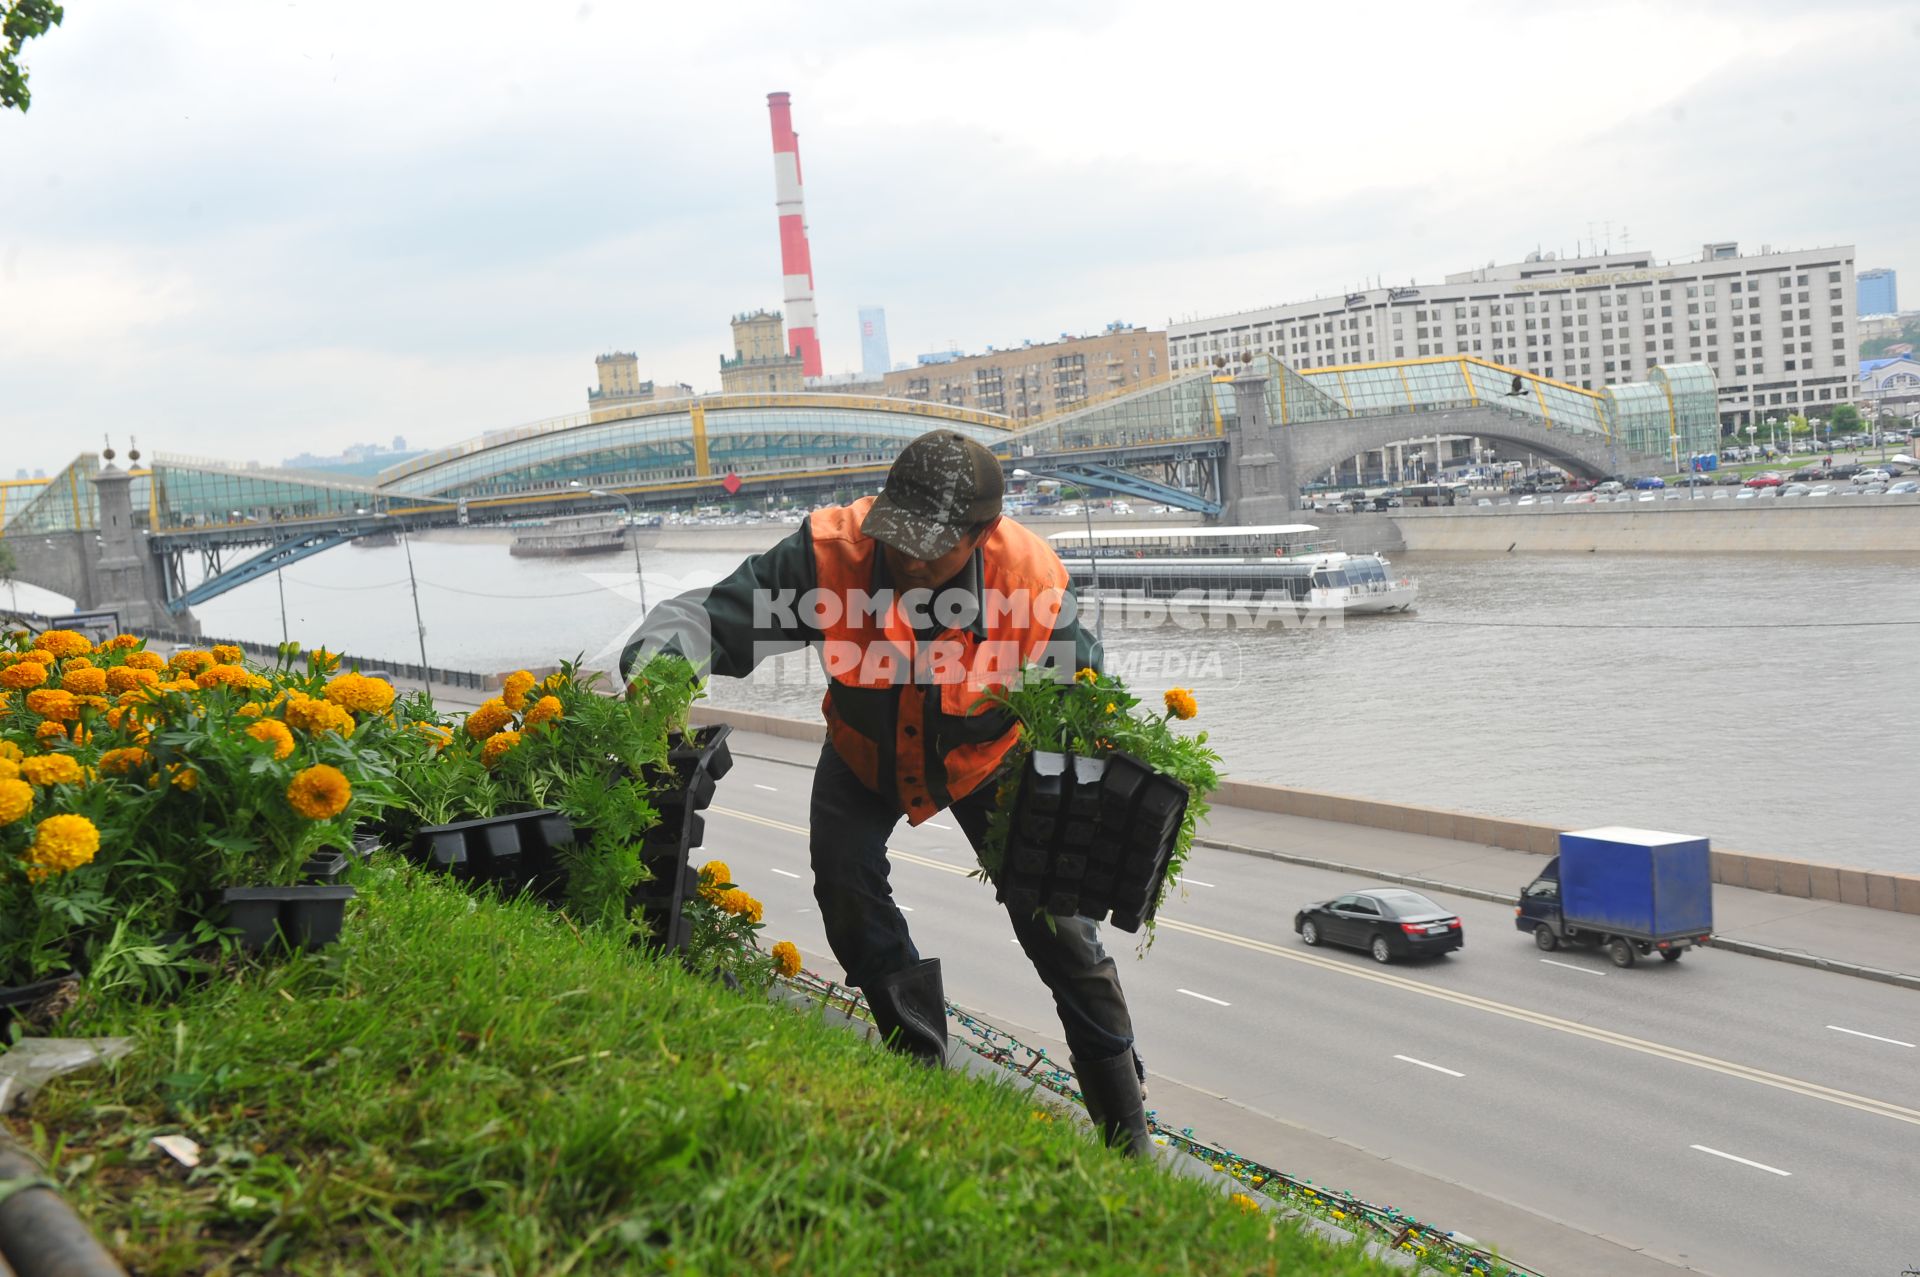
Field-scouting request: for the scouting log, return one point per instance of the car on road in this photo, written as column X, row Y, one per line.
column 1905, row 487
column 1387, row 922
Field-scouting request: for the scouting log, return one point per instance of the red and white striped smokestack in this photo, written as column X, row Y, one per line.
column 796, row 261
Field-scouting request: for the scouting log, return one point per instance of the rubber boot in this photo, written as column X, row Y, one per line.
column 910, row 1009
column 1112, row 1090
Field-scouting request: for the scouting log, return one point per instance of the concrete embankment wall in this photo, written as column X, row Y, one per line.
column 1844, row 525
column 1781, row 875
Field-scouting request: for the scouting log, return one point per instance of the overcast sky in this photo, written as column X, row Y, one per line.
column 258, row 228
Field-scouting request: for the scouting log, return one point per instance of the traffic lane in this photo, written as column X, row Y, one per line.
column 1359, row 1091
column 1768, row 1014
column 1534, row 1117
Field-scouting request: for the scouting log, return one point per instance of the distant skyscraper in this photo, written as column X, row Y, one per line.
column 874, row 360
column 1879, row 292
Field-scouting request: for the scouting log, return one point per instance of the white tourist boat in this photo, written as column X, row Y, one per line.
column 1281, row 565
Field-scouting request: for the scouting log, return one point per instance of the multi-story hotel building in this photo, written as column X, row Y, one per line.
column 1778, row 329
column 1036, row 378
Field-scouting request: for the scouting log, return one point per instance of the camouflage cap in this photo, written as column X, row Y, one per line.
column 941, row 485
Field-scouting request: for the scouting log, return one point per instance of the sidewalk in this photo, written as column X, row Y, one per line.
column 1881, row 943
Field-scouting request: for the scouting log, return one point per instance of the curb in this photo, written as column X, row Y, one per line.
column 1900, row 979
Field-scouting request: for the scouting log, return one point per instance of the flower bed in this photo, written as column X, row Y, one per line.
column 155, row 810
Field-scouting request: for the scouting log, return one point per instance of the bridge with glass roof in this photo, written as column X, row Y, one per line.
column 211, row 525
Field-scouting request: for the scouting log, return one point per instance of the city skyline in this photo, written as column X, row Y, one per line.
column 253, row 231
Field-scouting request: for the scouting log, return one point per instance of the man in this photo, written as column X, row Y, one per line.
column 916, row 601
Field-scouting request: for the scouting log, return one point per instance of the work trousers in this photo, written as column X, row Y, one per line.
column 848, row 835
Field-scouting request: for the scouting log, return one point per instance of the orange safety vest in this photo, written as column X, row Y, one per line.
column 897, row 709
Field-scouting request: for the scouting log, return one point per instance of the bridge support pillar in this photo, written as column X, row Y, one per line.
column 1260, row 483
column 126, row 577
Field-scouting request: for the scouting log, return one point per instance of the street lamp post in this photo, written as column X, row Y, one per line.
column 639, row 573
column 413, row 587
column 1086, row 508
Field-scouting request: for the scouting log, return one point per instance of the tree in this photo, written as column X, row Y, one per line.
column 8, row 564
column 1844, row 418
column 21, row 21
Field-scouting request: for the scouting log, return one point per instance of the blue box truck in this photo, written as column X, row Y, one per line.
column 1631, row 892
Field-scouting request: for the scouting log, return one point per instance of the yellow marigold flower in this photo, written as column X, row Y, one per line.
column 16, row 800
column 191, row 663
column 61, row 844
column 497, row 745
column 554, row 681
column 314, row 716
column 786, row 959
column 125, row 678
column 53, row 704
column 740, row 904
column 713, row 876
column 323, row 660
column 275, row 733
column 235, row 676
column 1180, row 703
column 76, row 663
column 1244, row 1202
column 361, row 694
column 24, row 675
column 252, row 709
column 1086, row 675
column 9, row 770
column 118, row 762
column 9, row 750
column 440, row 736
column 320, row 792
column 90, row 681
column 49, row 732
column 492, row 715
column 63, row 643
column 228, row 654
column 184, row 779
column 39, row 656
column 51, row 769
column 545, row 710
column 144, row 660
column 120, row 642
column 514, row 690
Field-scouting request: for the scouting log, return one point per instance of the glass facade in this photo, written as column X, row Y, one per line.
column 68, row 502
column 195, row 494
column 1184, row 409
column 1693, row 393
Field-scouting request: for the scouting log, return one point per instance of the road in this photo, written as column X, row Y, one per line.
column 1740, row 1116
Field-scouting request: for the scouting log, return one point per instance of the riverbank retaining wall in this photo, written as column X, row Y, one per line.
column 1781, row 875
column 1840, row 525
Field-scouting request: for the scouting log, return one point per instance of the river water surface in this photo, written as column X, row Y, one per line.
column 1770, row 703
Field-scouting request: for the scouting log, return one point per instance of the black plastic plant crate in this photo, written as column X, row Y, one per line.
column 17, row 999
column 1091, row 837
column 305, row 917
column 696, row 761
column 513, row 851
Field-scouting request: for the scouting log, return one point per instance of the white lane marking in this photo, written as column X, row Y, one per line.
column 1759, row 1166
column 1423, row 1064
column 1194, row 882
column 1569, row 966
column 769, row 788
column 1203, row 997
column 784, row 874
column 1875, row 1036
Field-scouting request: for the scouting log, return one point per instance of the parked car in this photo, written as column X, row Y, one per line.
column 1795, row 489
column 1609, row 488
column 1730, row 479
column 1807, row 474
column 1387, row 922
column 1905, row 487
column 1649, row 481
column 1871, row 476
column 1820, row 490
column 1770, row 479
column 1846, row 471
column 1484, row 501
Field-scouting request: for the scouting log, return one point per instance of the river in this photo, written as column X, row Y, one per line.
column 1771, row 703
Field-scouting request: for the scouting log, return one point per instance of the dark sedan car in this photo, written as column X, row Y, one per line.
column 1388, row 922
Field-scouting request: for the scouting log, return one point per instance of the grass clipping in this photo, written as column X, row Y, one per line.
column 468, row 1086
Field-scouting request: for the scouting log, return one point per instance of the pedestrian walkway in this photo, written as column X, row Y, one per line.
column 1816, row 932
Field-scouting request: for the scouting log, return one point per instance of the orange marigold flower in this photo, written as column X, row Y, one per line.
column 16, row 800
column 10, row 750
column 1086, row 674
column 120, row 642
column 184, row 779
column 497, row 745
column 125, row 678
column 786, row 959
column 237, row 677
column 714, row 877
column 228, row 653
column 63, row 643
column 361, row 694
column 9, row 770
column 144, row 660
column 1180, row 703
column 49, row 732
column 492, row 715
column 39, row 656
column 515, row 688
column 61, row 844
column 51, row 769
column 320, row 792
column 192, row 662
column 315, row 716
column 252, row 709
column 87, row 680
column 275, row 733
column 76, row 663
column 739, row 903
column 118, row 762
column 440, row 736
column 24, row 675
column 545, row 710
column 53, row 704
